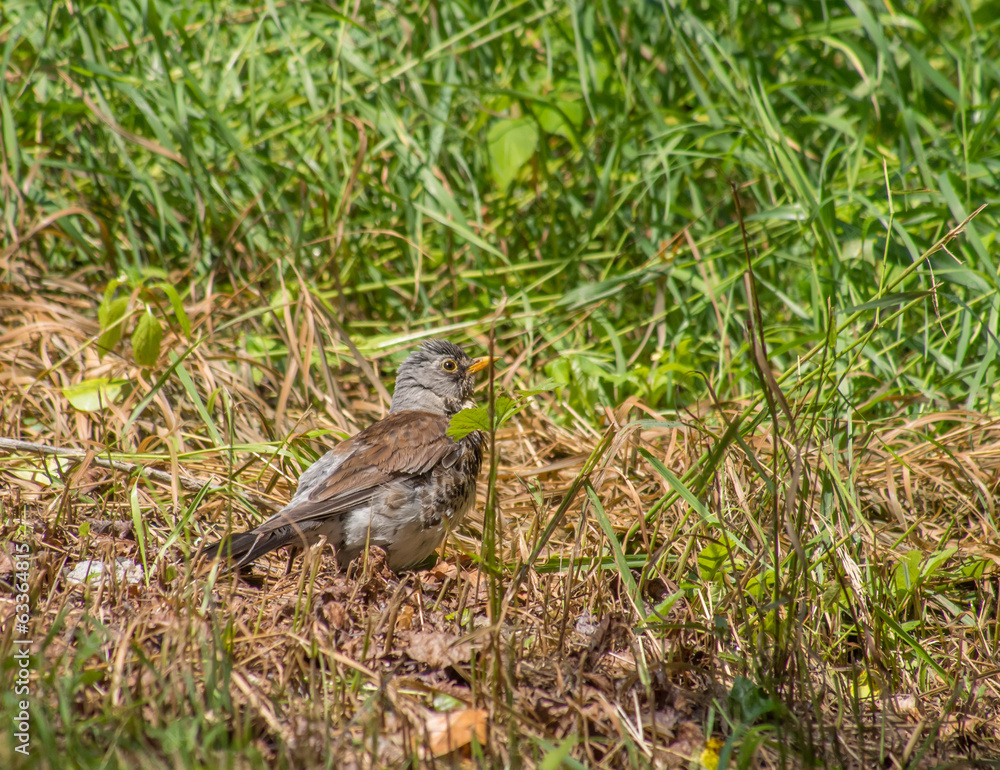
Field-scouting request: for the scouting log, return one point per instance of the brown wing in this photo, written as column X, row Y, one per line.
column 404, row 444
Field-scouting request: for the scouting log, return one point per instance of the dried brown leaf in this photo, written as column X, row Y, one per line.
column 437, row 649
column 455, row 730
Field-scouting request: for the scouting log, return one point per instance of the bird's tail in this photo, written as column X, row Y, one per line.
column 242, row 548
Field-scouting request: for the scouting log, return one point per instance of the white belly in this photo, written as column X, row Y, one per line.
column 406, row 532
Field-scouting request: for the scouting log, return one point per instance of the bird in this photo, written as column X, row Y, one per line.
column 399, row 484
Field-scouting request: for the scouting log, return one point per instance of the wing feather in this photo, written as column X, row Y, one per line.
column 403, row 445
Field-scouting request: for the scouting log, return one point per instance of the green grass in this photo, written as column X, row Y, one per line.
column 773, row 223
column 365, row 153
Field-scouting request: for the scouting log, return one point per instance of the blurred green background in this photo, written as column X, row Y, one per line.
column 413, row 164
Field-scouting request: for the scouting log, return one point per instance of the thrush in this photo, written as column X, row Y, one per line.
column 400, row 484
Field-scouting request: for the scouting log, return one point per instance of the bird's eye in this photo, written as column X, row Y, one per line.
column 448, row 365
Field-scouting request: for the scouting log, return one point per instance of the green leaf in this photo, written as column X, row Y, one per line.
column 460, row 230
column 721, row 557
column 974, row 569
column 111, row 288
column 444, row 703
column 749, row 701
column 47, row 474
column 907, row 571
column 554, row 758
column 12, row 150
column 478, row 417
column 192, row 390
column 146, row 340
column 544, row 387
column 936, row 559
column 93, row 395
column 110, row 315
column 178, row 306
column 712, row 559
column 561, row 117
column 761, row 585
column 467, row 421
column 511, row 143
column 88, row 678
column 138, row 526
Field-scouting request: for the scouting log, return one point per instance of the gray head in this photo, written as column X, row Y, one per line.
column 438, row 377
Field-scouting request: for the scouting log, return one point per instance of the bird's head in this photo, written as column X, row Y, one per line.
column 438, row 377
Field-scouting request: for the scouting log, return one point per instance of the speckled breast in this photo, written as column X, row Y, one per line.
column 455, row 486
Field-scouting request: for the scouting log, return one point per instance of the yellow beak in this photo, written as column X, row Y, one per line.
column 478, row 364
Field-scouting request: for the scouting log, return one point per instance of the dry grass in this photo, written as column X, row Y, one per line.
column 854, row 658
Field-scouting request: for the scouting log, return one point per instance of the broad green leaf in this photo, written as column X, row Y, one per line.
column 95, row 394
column 467, row 421
column 749, row 701
column 511, row 143
column 110, row 315
column 936, row 559
column 907, row 572
column 88, row 678
column 146, row 340
column 974, row 568
column 560, row 118
column 109, row 290
column 478, row 417
column 554, row 758
column 444, row 703
column 712, row 559
column 761, row 585
column 50, row 471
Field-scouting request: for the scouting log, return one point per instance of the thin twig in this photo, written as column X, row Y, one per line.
column 163, row 477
